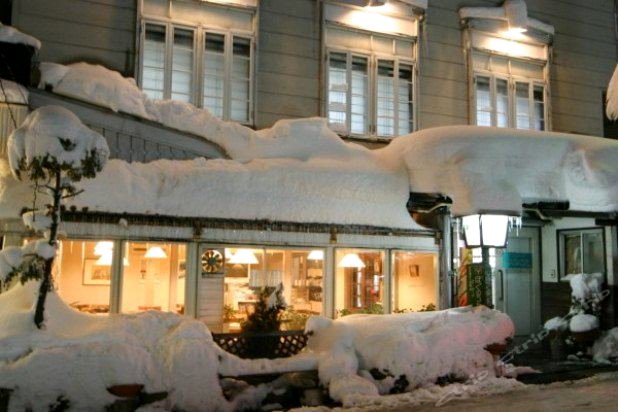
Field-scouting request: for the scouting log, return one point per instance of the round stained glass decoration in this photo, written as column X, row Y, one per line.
column 212, row 261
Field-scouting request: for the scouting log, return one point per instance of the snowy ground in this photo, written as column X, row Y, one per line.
column 593, row 394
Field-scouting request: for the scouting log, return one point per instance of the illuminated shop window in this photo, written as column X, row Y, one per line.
column 154, row 277
column 247, row 271
column 414, row 277
column 83, row 274
column 359, row 281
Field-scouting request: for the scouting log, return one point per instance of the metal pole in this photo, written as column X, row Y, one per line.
column 446, row 261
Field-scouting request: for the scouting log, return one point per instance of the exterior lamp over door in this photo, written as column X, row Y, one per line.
column 485, row 231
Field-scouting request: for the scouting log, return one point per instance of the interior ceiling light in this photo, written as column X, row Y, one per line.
column 243, row 257
column 316, row 255
column 155, row 252
column 351, row 260
column 102, row 247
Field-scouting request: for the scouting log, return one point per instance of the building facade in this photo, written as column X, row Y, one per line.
column 375, row 70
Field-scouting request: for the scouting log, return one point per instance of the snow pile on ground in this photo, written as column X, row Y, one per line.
column 9, row 34
column 362, row 356
column 485, row 168
column 612, row 96
column 606, row 347
column 78, row 356
column 11, row 92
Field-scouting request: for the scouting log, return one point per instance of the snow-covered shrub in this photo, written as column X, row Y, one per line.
column 52, row 150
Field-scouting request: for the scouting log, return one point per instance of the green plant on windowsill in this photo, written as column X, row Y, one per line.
column 229, row 313
column 373, row 309
column 293, row 320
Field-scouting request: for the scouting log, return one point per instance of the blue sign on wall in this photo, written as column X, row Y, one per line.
column 512, row 260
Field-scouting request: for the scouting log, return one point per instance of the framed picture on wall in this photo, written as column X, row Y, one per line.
column 96, row 274
column 414, row 271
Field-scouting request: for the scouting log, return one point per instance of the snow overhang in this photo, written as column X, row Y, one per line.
column 612, row 96
column 508, row 30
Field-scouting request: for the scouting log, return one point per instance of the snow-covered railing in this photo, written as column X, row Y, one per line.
column 131, row 138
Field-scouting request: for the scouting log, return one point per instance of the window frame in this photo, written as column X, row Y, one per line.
column 372, row 57
column 561, row 244
column 197, row 78
column 512, row 81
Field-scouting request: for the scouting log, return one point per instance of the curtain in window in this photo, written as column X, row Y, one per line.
column 337, row 92
column 385, row 100
column 358, row 95
column 214, row 73
column 153, row 74
column 502, row 103
column 182, row 65
column 538, row 96
column 483, row 101
column 241, row 79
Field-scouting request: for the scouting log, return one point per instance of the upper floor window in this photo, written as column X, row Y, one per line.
column 503, row 98
column 199, row 62
column 370, row 71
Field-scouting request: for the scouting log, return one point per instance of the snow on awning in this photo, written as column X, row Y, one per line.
column 514, row 12
column 495, row 169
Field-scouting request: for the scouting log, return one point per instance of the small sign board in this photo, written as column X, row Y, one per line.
column 477, row 287
column 513, row 260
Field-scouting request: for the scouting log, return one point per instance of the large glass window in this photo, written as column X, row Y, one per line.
column 172, row 55
column 247, row 271
column 581, row 251
column 154, row 277
column 83, row 274
column 359, row 281
column 414, row 277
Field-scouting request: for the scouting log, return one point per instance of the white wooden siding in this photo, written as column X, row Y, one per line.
column 97, row 31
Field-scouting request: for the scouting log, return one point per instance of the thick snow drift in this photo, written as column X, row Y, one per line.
column 318, row 190
column 10, row 34
column 80, row 355
column 371, row 354
column 486, row 168
column 605, row 349
column 480, row 168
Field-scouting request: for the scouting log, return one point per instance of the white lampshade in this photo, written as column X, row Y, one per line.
column 243, row 257
column 486, row 230
column 106, row 260
column 316, row 254
column 102, row 247
column 351, row 260
column 155, row 252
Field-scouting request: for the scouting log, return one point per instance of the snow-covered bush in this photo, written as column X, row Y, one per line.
column 52, row 150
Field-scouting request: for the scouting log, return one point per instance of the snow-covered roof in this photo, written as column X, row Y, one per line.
column 612, row 96
column 300, row 171
column 497, row 169
column 10, row 34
